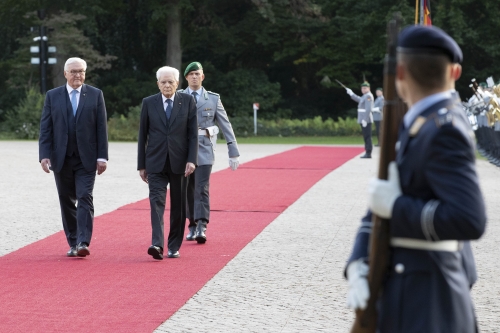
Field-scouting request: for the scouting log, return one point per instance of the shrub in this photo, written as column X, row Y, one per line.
column 244, row 127
column 24, row 119
column 125, row 128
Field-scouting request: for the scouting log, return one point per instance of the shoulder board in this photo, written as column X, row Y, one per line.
column 212, row 93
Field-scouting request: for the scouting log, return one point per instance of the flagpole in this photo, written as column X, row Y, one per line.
column 416, row 11
column 422, row 8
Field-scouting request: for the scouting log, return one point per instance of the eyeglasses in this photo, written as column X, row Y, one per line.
column 74, row 73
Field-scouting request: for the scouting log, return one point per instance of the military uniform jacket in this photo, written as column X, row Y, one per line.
column 211, row 111
column 440, row 200
column 365, row 107
column 378, row 108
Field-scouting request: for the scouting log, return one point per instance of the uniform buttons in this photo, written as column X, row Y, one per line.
column 399, row 268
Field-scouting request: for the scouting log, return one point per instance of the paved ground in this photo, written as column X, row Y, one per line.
column 288, row 279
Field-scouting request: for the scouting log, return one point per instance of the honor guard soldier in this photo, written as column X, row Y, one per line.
column 431, row 198
column 210, row 112
column 365, row 118
column 378, row 108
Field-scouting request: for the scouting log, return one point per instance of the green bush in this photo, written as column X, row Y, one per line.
column 24, row 119
column 244, row 127
column 125, row 128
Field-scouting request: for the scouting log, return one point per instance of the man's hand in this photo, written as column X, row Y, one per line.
column 101, row 167
column 363, row 123
column 359, row 292
column 349, row 91
column 144, row 175
column 382, row 194
column 234, row 163
column 45, row 163
column 189, row 169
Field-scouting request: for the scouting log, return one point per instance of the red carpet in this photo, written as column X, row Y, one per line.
column 119, row 288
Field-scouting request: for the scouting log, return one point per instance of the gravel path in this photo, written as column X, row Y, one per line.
column 288, row 279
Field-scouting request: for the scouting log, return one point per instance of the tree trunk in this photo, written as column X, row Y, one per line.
column 174, row 51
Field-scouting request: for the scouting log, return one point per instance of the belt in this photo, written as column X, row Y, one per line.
column 376, row 109
column 361, row 110
column 420, row 244
column 203, row 132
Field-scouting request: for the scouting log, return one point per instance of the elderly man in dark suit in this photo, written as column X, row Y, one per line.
column 167, row 154
column 74, row 144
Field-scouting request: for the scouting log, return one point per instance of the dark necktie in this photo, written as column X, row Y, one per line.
column 168, row 109
column 195, row 94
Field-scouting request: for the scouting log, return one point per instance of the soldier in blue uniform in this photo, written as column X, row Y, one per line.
column 432, row 198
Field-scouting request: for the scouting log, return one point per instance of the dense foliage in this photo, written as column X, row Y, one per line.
column 284, row 54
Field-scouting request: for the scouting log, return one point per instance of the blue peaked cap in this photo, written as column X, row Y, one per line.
column 421, row 38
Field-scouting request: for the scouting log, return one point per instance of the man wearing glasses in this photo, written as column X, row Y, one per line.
column 73, row 144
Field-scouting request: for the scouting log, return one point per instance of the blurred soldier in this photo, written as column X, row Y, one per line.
column 378, row 108
column 210, row 111
column 432, row 199
column 365, row 118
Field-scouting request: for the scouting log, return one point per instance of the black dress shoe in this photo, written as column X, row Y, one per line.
column 72, row 252
column 366, row 156
column 201, row 238
column 156, row 252
column 82, row 250
column 173, row 254
column 192, row 233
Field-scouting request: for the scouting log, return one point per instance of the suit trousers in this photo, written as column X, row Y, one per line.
column 198, row 194
column 367, row 137
column 377, row 130
column 157, row 197
column 75, row 187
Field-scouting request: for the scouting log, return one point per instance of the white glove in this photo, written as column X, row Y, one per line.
column 363, row 123
column 234, row 163
column 359, row 292
column 349, row 91
column 383, row 193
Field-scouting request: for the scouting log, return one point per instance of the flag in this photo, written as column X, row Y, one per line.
column 427, row 13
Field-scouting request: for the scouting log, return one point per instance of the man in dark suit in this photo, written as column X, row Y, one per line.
column 167, row 154
column 74, row 144
column 432, row 198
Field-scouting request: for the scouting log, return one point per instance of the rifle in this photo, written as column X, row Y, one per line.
column 394, row 109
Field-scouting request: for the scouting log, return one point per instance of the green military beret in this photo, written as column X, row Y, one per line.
column 380, row 89
column 483, row 85
column 194, row 66
column 365, row 84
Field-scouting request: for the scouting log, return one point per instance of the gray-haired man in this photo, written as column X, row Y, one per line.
column 210, row 111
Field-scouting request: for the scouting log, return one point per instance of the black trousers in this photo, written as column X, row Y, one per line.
column 377, row 130
column 367, row 137
column 198, row 194
column 75, row 187
column 157, row 196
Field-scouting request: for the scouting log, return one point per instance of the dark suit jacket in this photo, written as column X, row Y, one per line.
column 178, row 138
column 91, row 127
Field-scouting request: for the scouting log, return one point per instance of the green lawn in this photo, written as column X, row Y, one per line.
column 323, row 140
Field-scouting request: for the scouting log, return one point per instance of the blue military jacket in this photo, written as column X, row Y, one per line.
column 441, row 200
